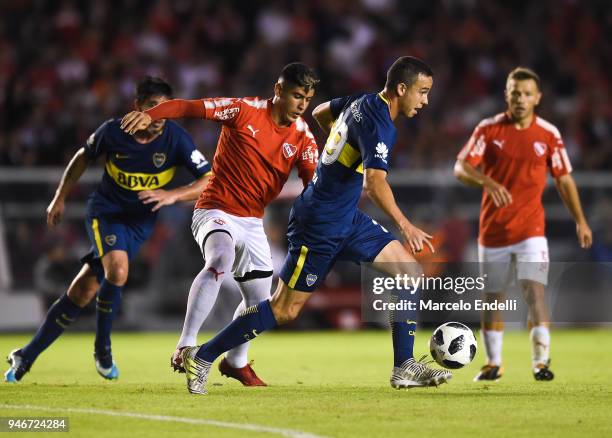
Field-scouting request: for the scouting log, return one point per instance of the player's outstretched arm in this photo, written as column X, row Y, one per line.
column 170, row 109
column 324, row 117
column 378, row 189
column 470, row 176
column 566, row 186
column 73, row 172
column 160, row 198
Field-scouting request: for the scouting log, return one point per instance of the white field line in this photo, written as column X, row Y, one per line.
column 224, row 424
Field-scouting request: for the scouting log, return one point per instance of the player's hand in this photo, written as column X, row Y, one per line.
column 55, row 212
column 416, row 238
column 159, row 197
column 501, row 196
column 135, row 121
column 585, row 235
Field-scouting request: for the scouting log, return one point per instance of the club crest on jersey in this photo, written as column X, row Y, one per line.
column 159, row 159
column 289, row 150
column 310, row 279
column 110, row 240
column 539, row 148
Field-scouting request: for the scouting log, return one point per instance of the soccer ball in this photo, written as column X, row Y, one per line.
column 452, row 345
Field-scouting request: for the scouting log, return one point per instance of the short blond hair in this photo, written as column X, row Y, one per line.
column 523, row 74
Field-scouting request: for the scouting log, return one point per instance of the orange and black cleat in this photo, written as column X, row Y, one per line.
column 489, row 373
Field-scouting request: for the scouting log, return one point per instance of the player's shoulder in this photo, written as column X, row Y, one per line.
column 545, row 125
column 254, row 102
column 496, row 120
column 302, row 129
column 175, row 128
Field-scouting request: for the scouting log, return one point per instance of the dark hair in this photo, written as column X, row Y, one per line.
column 299, row 74
column 151, row 86
column 405, row 70
column 523, row 74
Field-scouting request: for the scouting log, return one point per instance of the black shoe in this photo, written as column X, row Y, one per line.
column 542, row 372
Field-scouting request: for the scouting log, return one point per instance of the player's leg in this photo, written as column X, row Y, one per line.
column 235, row 364
column 370, row 242
column 253, row 273
column 301, row 274
column 217, row 239
column 108, row 302
column 532, row 274
column 59, row 316
column 393, row 260
column 497, row 267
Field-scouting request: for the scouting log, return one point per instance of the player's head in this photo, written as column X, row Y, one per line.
column 152, row 91
column 294, row 90
column 409, row 79
column 522, row 93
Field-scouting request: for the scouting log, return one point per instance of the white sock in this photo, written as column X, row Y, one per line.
column 219, row 253
column 540, row 345
column 253, row 292
column 493, row 340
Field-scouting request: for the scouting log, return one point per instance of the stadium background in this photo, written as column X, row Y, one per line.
column 65, row 67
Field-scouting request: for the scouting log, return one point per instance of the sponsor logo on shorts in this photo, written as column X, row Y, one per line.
column 159, row 159
column 310, row 279
column 219, row 221
column 110, row 240
column 289, row 150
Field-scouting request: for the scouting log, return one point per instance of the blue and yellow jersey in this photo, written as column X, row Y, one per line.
column 362, row 137
column 131, row 167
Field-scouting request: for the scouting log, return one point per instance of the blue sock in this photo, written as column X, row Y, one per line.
column 60, row 315
column 251, row 323
column 403, row 328
column 107, row 307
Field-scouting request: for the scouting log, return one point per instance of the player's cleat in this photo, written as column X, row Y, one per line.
column 196, row 370
column 489, row 373
column 176, row 361
column 414, row 373
column 245, row 375
column 18, row 367
column 542, row 372
column 105, row 365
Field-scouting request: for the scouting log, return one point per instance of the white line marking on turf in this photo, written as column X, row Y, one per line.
column 244, row 426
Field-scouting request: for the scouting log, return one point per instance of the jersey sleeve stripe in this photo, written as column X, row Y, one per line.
column 566, row 161
column 548, row 126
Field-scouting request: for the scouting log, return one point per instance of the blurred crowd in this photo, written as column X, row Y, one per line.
column 66, row 66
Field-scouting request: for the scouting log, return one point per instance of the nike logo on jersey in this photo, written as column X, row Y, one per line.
column 499, row 143
column 254, row 131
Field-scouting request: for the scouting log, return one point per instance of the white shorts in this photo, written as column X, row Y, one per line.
column 250, row 243
column 525, row 260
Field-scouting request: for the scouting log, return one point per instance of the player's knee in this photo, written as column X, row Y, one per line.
column 117, row 274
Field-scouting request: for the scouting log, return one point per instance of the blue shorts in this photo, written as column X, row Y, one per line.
column 110, row 232
column 313, row 249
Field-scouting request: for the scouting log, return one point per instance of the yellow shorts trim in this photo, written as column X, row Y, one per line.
column 298, row 267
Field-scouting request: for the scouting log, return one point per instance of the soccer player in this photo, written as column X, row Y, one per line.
column 509, row 155
column 325, row 224
column 120, row 216
column 261, row 141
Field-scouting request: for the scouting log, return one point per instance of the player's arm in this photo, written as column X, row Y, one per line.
column 189, row 192
column 471, row 176
column 170, row 109
column 378, row 190
column 324, row 116
column 72, row 173
column 566, row 186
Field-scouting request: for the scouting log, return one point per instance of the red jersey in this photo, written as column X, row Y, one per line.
column 519, row 160
column 254, row 155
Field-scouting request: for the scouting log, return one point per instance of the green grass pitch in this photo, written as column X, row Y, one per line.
column 321, row 384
